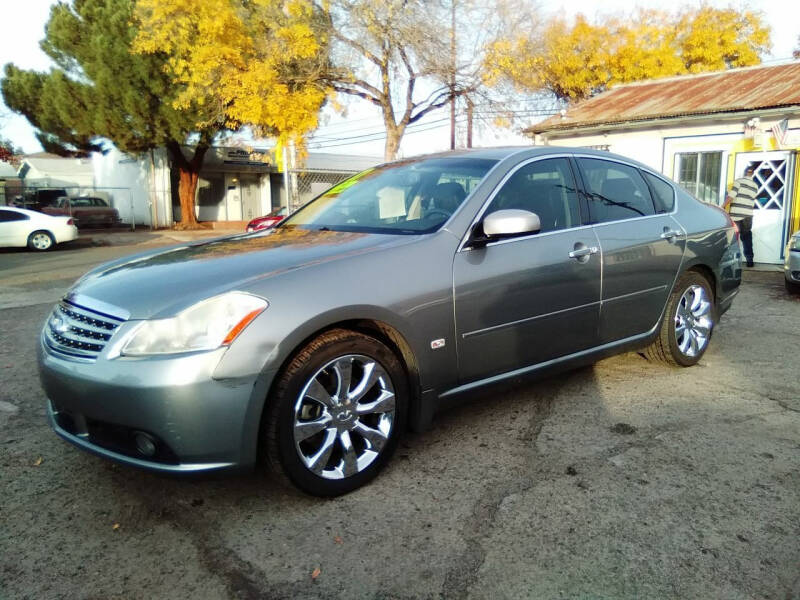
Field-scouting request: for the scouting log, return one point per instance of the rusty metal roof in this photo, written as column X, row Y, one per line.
column 736, row 90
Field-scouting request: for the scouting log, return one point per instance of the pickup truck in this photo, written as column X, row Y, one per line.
column 86, row 210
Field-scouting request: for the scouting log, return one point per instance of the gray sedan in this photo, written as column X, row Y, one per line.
column 314, row 345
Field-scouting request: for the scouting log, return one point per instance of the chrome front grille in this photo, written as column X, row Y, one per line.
column 78, row 331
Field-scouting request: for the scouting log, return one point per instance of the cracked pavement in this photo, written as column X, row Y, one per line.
column 622, row 480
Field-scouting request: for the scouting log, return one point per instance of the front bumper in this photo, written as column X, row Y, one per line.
column 198, row 423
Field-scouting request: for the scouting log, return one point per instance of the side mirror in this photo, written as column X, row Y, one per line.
column 511, row 222
column 504, row 224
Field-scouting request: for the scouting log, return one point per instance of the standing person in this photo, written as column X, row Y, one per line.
column 740, row 202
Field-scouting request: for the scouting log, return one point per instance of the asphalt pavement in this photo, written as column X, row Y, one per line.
column 626, row 479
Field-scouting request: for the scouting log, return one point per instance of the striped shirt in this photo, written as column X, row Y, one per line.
column 743, row 198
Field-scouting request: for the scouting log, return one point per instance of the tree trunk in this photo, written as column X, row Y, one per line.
column 189, row 173
column 187, row 188
column 393, row 137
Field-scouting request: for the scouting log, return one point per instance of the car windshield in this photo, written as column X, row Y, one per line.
column 409, row 197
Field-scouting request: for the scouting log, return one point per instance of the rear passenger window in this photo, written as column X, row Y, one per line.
column 545, row 187
column 663, row 194
column 615, row 191
column 6, row 216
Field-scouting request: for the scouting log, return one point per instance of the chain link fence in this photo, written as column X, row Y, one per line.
column 307, row 184
column 89, row 205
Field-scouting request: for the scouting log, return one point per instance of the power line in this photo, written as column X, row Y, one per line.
column 378, row 136
column 333, row 139
column 380, row 130
column 411, row 130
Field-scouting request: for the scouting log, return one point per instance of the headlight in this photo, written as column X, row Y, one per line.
column 206, row 325
column 794, row 243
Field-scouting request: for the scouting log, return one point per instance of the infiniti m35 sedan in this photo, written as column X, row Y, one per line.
column 312, row 346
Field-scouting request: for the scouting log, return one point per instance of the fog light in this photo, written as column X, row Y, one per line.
column 145, row 444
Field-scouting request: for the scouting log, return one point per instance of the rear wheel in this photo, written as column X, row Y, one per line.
column 41, row 241
column 688, row 322
column 336, row 414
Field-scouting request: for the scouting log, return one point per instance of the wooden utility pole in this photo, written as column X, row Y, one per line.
column 452, row 74
column 470, row 106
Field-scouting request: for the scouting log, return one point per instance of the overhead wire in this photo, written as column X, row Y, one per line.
column 331, row 140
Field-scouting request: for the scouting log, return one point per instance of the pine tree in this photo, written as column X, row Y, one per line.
column 99, row 90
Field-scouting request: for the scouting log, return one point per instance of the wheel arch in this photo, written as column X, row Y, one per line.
column 709, row 275
column 385, row 333
column 50, row 234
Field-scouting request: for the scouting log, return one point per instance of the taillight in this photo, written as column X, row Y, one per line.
column 70, row 221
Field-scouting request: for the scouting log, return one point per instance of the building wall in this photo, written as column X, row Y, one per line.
column 139, row 186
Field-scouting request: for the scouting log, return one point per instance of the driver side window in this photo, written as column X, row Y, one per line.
column 545, row 187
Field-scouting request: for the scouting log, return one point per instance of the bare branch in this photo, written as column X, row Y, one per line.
column 358, row 48
column 361, row 94
column 431, row 107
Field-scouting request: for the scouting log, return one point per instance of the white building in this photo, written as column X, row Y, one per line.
column 9, row 182
column 50, row 171
column 702, row 131
column 236, row 184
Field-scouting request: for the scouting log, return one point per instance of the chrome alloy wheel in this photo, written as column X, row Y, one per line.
column 41, row 241
column 343, row 417
column 693, row 321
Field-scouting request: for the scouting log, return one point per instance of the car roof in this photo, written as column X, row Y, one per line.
column 503, row 152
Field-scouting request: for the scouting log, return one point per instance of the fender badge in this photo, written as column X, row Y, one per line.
column 436, row 344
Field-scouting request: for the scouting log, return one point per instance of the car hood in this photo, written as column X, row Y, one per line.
column 162, row 282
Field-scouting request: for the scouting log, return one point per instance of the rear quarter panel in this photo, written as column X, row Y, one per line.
column 711, row 242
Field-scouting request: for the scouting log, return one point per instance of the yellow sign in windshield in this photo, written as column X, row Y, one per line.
column 338, row 189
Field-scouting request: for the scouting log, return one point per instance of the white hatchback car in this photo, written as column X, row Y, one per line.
column 20, row 227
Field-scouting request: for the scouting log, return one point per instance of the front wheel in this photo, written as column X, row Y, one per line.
column 336, row 414
column 792, row 287
column 689, row 319
column 41, row 241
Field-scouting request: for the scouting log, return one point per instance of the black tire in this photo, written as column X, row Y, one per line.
column 792, row 287
column 283, row 454
column 667, row 348
column 38, row 240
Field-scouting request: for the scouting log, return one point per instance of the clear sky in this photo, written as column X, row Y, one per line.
column 24, row 27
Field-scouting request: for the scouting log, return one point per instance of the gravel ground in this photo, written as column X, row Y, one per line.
column 622, row 480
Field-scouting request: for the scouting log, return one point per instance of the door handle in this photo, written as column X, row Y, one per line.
column 669, row 234
column 582, row 252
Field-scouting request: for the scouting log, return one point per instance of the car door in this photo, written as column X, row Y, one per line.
column 14, row 228
column 526, row 300
column 642, row 246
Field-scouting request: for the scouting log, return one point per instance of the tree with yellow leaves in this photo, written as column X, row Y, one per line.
column 238, row 62
column 579, row 59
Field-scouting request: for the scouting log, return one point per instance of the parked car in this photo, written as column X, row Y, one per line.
column 20, row 227
column 267, row 221
column 315, row 344
column 87, row 211
column 791, row 264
